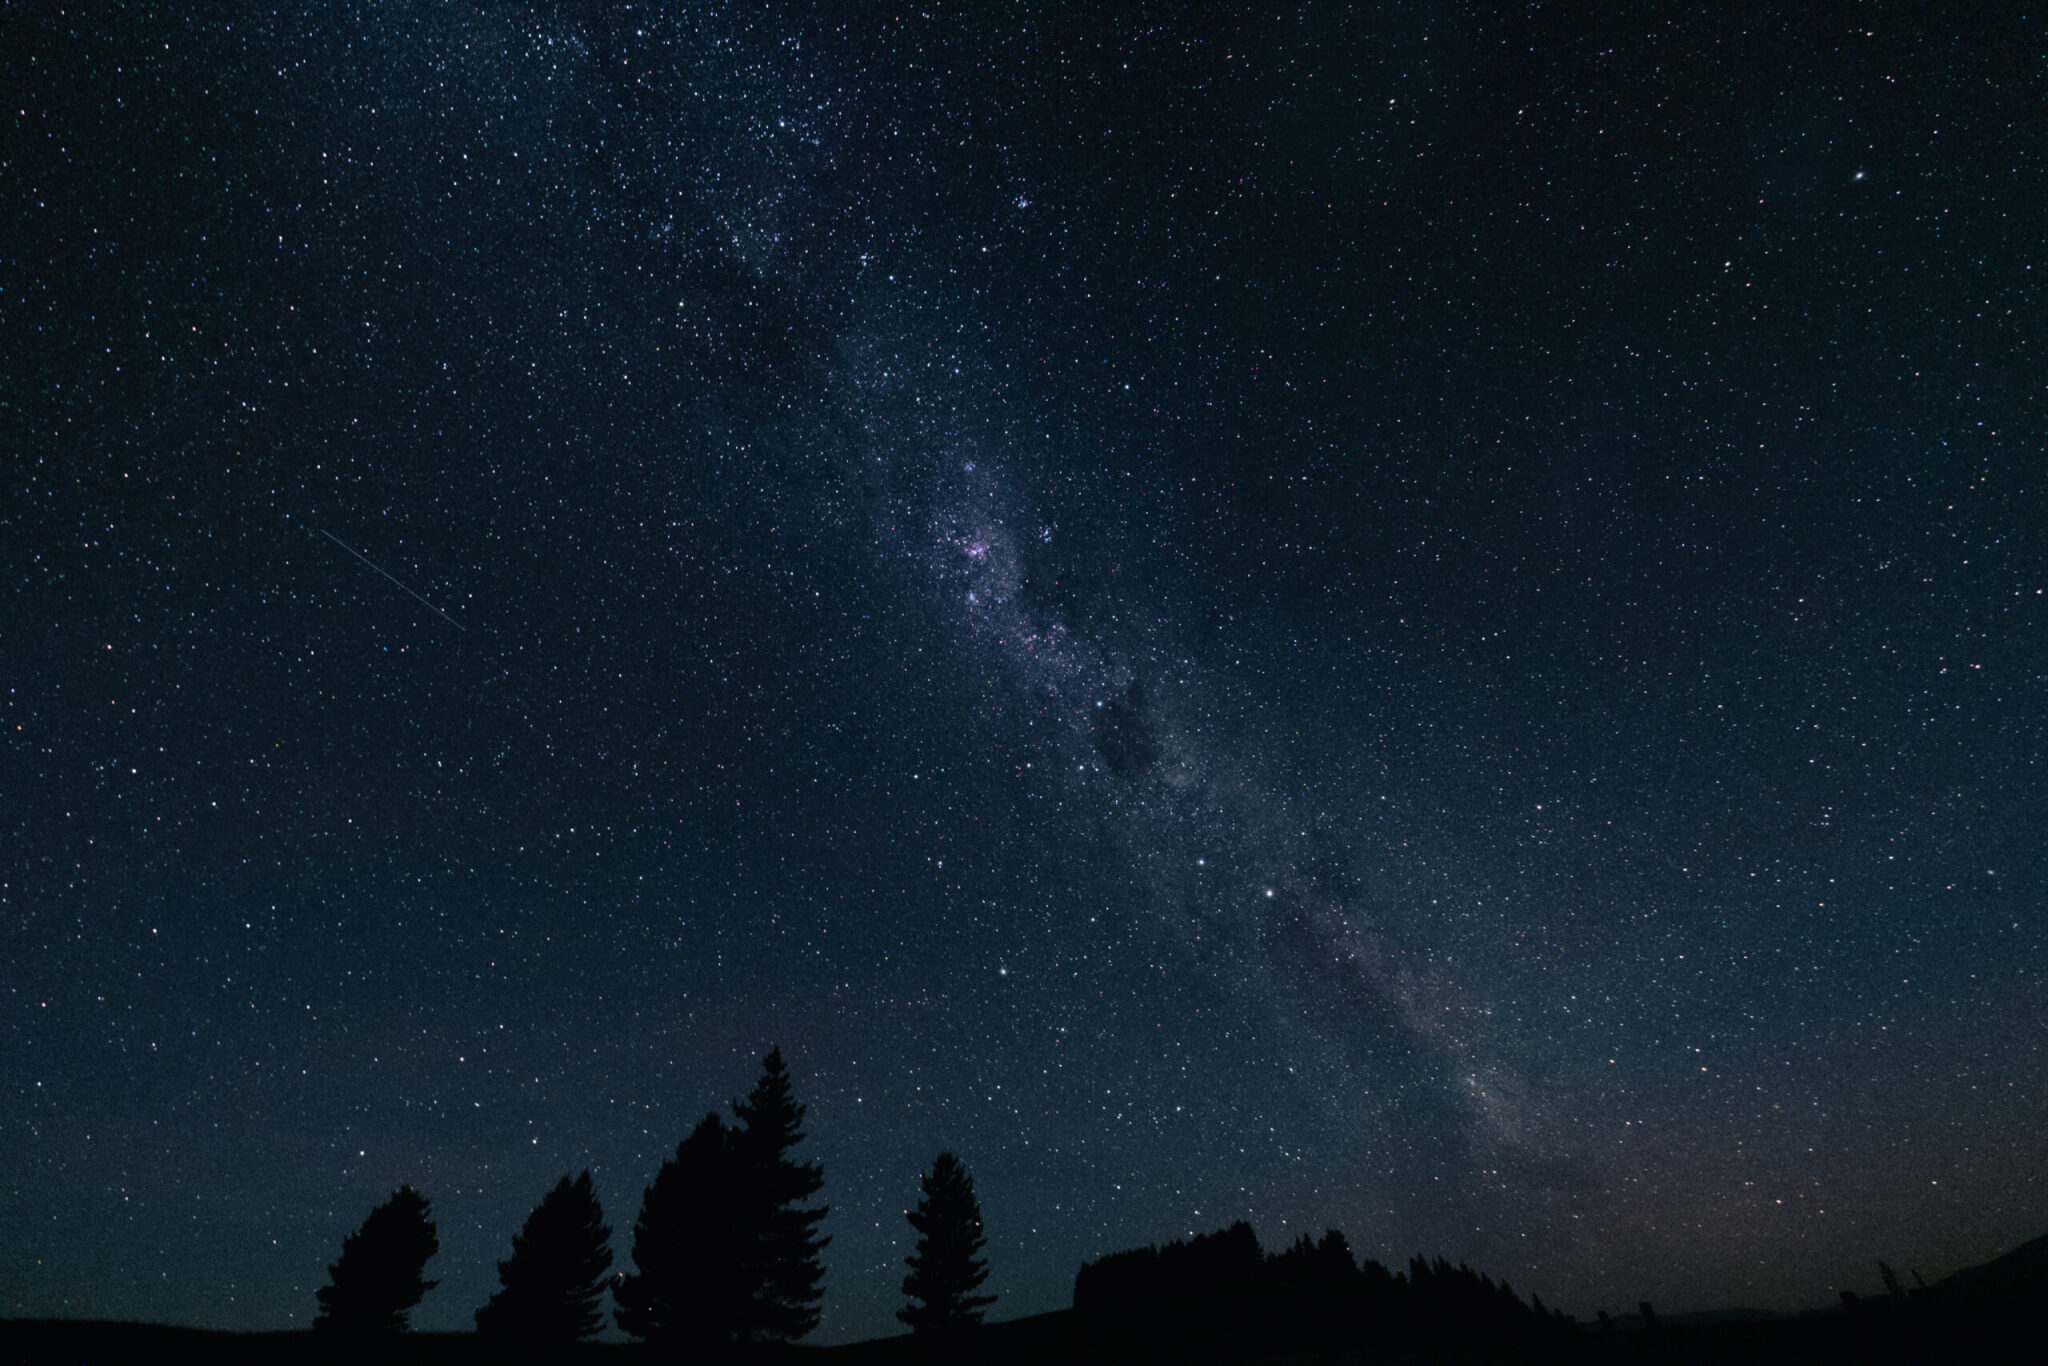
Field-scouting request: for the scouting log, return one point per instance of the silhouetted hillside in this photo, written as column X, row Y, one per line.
column 1300, row 1307
column 2019, row 1275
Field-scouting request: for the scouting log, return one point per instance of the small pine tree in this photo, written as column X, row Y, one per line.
column 380, row 1276
column 783, row 1268
column 691, row 1245
column 557, row 1273
column 944, row 1271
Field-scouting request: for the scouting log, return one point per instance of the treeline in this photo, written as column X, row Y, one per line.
column 1220, row 1294
column 725, row 1249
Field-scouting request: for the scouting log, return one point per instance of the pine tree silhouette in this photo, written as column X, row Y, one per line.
column 556, row 1276
column 379, row 1278
column 691, row 1244
column 944, row 1271
column 783, row 1268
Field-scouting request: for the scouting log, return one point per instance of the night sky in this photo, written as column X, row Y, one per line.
column 1424, row 618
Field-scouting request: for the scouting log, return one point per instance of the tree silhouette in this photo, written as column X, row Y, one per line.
column 782, row 1262
column 944, row 1271
column 690, row 1242
column 378, row 1280
column 557, row 1272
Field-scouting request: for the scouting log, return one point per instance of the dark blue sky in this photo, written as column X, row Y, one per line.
column 1424, row 620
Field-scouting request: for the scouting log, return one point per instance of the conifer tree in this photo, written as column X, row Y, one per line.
column 944, row 1271
column 691, row 1244
column 783, row 1269
column 556, row 1276
column 380, row 1276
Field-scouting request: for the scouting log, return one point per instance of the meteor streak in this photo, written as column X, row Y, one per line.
column 416, row 597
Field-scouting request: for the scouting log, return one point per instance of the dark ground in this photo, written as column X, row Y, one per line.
column 1878, row 1334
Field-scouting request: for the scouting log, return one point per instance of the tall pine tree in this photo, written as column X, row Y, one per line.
column 381, row 1274
column 944, row 1271
column 555, row 1279
column 692, row 1244
column 782, row 1269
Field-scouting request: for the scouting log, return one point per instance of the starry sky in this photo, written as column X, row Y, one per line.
column 1423, row 618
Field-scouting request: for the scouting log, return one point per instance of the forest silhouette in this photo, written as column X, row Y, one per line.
column 726, row 1264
